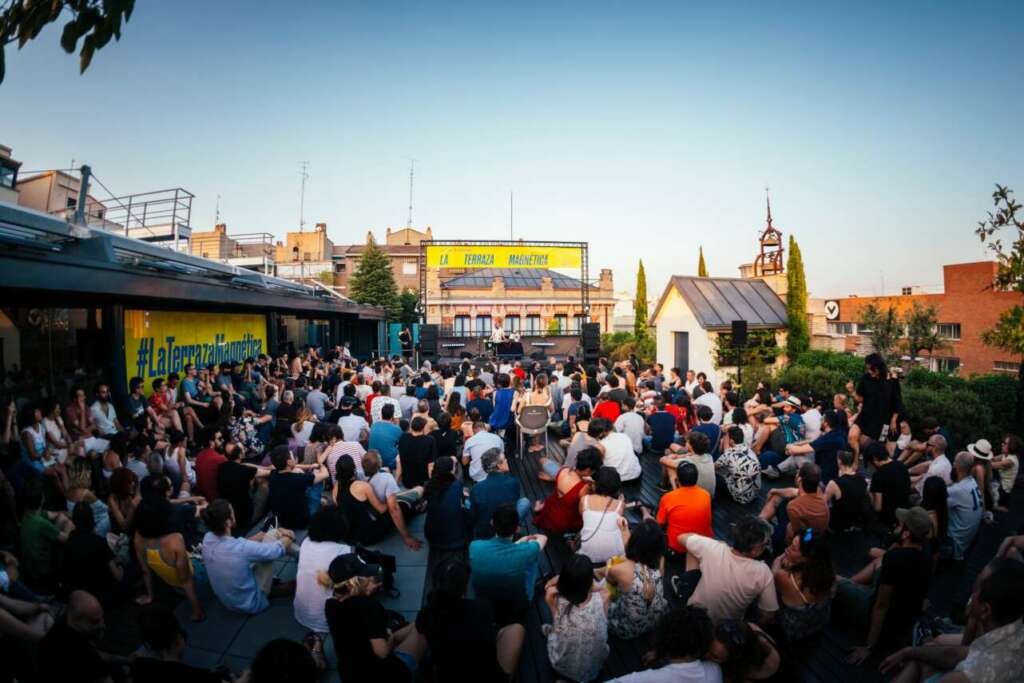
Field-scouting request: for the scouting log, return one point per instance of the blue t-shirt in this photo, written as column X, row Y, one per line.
column 500, row 568
column 663, row 430
column 502, row 414
column 713, row 432
column 483, row 405
column 384, row 438
column 486, row 496
column 825, row 448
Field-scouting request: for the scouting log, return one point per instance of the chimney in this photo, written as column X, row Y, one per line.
column 369, row 236
column 605, row 281
column 321, row 227
column 430, row 235
column 389, row 231
column 221, row 228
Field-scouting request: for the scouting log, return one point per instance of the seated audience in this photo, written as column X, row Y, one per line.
column 499, row 487
column 578, row 633
column 737, row 470
column 682, row 638
column 638, row 582
column 686, row 509
column 504, row 571
column 805, row 581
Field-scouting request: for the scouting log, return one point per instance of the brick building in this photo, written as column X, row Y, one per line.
column 967, row 306
column 402, row 248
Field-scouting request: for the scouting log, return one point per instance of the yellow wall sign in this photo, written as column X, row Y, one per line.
column 157, row 343
column 484, row 256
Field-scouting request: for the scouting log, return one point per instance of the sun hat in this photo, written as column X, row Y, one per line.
column 793, row 401
column 981, row 449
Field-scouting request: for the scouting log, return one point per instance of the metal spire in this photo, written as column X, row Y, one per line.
column 768, row 201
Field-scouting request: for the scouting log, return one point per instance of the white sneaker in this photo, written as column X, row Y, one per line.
column 771, row 472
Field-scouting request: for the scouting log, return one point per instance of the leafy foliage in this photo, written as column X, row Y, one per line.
column 618, row 345
column 922, row 333
column 640, row 303
column 97, row 21
column 848, row 365
column 1008, row 334
column 884, row 328
column 554, row 327
column 409, row 307
column 761, row 349
column 798, row 337
column 373, row 282
column 702, row 270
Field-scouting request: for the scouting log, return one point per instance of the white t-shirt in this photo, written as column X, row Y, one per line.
column 475, row 447
column 729, row 583
column 812, row 424
column 632, row 425
column 310, row 596
column 680, row 672
column 1008, row 475
column 939, row 467
column 384, row 485
column 711, row 401
column 618, row 453
column 353, row 426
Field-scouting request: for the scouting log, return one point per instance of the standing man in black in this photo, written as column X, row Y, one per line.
column 405, row 339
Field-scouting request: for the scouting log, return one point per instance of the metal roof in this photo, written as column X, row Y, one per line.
column 39, row 252
column 515, row 278
column 716, row 302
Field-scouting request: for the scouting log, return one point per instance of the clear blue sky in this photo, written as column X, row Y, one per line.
column 644, row 129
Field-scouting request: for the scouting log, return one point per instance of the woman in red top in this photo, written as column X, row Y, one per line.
column 560, row 512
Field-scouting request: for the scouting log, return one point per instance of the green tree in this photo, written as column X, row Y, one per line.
column 798, row 337
column 883, row 328
column 97, row 21
column 409, row 307
column 702, row 270
column 1008, row 334
column 373, row 282
column 554, row 327
column 640, row 303
column 922, row 330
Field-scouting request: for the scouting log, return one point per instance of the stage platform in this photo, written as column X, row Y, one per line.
column 559, row 347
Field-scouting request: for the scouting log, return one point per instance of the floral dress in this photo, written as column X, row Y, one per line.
column 578, row 638
column 631, row 614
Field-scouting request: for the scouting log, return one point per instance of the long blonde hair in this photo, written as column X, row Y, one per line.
column 344, row 589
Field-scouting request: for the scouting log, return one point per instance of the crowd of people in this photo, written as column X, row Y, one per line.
column 198, row 484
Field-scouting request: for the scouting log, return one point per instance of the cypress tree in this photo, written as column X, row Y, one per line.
column 702, row 270
column 798, row 338
column 373, row 282
column 640, row 303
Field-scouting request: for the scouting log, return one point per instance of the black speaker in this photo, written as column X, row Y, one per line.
column 428, row 341
column 591, row 343
column 739, row 333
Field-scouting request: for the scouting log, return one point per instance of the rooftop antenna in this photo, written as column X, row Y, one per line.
column 304, row 174
column 768, row 201
column 412, row 170
column 216, row 212
column 511, row 215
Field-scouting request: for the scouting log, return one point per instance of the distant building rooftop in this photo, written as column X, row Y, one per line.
column 515, row 278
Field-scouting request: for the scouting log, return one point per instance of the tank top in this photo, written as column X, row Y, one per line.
column 561, row 514
column 357, row 511
column 810, row 618
column 600, row 538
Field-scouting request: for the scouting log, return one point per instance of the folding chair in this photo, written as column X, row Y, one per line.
column 532, row 421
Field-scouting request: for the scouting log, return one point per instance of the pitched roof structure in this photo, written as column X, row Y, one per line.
column 515, row 278
column 717, row 301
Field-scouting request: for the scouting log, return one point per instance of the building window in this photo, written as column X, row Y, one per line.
column 948, row 330
column 483, row 326
column 947, row 364
column 533, row 324
column 461, row 328
column 72, row 202
column 409, row 268
column 295, row 253
column 1005, row 366
column 841, row 329
column 511, row 324
column 907, row 291
column 8, row 176
column 862, row 329
column 577, row 324
column 562, row 323
column 305, row 256
column 206, row 254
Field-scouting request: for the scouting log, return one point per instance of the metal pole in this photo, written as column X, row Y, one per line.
column 83, row 194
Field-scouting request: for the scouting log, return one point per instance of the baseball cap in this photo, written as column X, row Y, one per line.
column 916, row 520
column 350, row 565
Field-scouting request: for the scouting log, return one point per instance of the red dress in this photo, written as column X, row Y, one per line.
column 561, row 514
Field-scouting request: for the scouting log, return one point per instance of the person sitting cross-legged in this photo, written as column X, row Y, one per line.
column 241, row 570
column 497, row 488
column 795, row 509
column 504, row 570
column 465, row 643
column 686, row 509
column 737, row 470
column 988, row 650
column 729, row 580
column 697, row 451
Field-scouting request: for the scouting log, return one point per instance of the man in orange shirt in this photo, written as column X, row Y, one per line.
column 687, row 509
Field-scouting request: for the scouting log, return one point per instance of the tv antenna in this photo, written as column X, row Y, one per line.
column 216, row 212
column 412, row 172
column 304, row 174
column 511, row 215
